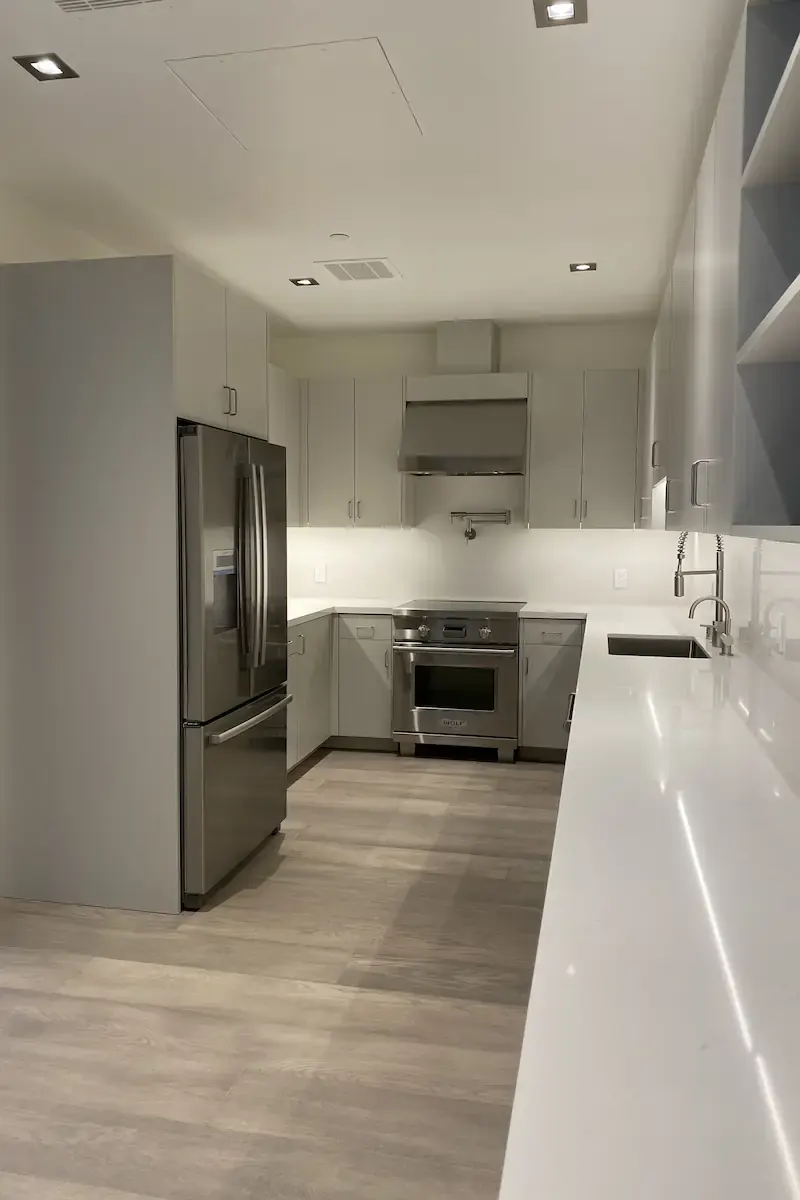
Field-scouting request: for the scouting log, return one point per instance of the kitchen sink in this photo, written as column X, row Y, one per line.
column 655, row 647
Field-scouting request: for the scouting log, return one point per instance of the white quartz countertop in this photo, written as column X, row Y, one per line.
column 661, row 1056
column 308, row 609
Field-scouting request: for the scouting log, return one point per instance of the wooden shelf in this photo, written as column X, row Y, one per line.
column 777, row 338
column 776, row 154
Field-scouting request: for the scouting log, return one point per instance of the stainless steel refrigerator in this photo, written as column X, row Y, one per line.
column 233, row 597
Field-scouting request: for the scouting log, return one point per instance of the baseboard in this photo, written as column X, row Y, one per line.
column 378, row 745
column 541, row 754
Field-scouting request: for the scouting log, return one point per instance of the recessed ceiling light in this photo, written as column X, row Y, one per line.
column 45, row 67
column 306, row 281
column 583, row 266
column 551, row 13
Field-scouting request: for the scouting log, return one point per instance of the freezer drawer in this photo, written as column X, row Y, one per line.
column 234, row 790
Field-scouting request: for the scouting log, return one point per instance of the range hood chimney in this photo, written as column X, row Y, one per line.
column 468, row 419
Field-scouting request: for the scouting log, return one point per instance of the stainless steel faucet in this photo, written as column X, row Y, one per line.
column 718, row 572
column 720, row 631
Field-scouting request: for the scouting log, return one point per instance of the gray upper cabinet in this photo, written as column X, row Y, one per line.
column 556, row 449
column 200, row 345
column 246, row 340
column 583, row 449
column 609, row 449
column 378, row 427
column 331, row 452
column 680, row 374
column 220, row 353
column 284, row 430
column 353, row 439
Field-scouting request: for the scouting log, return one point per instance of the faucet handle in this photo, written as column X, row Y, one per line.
column 726, row 643
column 709, row 631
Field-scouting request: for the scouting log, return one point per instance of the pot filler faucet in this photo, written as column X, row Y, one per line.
column 720, row 631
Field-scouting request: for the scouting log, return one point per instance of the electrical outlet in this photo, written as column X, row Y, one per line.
column 320, row 573
column 620, row 577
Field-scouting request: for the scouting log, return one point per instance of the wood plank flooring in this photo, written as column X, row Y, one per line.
column 344, row 1020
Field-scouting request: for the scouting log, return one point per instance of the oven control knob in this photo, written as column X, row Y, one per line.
column 486, row 632
column 423, row 631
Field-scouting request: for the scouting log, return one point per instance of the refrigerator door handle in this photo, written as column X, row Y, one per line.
column 259, row 538
column 219, row 739
column 264, row 600
column 249, row 544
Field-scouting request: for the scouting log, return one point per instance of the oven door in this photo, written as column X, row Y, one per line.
column 458, row 691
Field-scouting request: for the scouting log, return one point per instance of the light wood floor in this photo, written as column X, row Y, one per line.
column 344, row 1021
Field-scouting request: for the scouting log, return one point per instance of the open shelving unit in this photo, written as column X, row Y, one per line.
column 766, row 483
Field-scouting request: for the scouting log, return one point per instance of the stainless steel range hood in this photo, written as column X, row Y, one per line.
column 466, row 424
column 465, row 437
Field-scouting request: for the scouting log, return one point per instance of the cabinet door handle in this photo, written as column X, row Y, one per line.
column 228, row 409
column 350, row 509
column 574, row 510
column 654, row 460
column 527, row 664
column 358, row 510
column 302, row 638
column 668, row 497
column 234, row 401
column 386, row 661
column 570, row 711
column 585, row 509
column 693, row 486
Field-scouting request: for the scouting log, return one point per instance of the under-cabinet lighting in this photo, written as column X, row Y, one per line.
column 45, row 67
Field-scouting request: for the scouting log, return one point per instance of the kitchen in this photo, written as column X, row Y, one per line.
column 390, row 927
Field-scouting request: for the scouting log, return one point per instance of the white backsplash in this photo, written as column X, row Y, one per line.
column 573, row 566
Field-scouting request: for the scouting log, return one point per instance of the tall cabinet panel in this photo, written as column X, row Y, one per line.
column 697, row 457
column 663, row 384
column 556, row 448
column 331, row 452
column 609, row 449
column 378, row 428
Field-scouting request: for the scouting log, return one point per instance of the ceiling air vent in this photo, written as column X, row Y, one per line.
column 359, row 270
column 85, row 6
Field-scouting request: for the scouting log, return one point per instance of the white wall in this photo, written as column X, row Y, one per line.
column 522, row 347
column 28, row 234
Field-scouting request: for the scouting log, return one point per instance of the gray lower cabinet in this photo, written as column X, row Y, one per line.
column 365, row 677
column 309, row 666
column 551, row 656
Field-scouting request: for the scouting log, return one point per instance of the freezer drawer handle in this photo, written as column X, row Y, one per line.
column 219, row 739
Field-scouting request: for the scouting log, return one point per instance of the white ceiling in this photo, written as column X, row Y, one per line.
column 479, row 154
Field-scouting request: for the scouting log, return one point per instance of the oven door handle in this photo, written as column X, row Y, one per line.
column 408, row 647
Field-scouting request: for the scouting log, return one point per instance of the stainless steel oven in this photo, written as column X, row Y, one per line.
column 456, row 675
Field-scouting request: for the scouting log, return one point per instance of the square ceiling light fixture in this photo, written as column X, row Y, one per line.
column 305, row 281
column 583, row 266
column 551, row 13
column 45, row 67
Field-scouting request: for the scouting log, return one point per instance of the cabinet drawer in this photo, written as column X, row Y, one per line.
column 365, row 628
column 552, row 633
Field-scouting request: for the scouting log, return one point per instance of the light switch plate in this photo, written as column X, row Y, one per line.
column 620, row 577
column 320, row 573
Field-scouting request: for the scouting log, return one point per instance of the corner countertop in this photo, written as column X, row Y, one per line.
column 661, row 1056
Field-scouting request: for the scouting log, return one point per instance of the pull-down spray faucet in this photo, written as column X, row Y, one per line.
column 722, row 619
